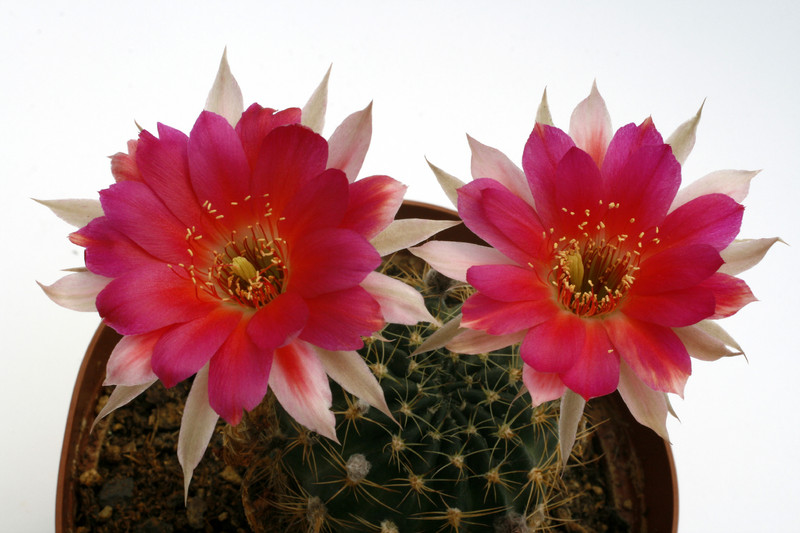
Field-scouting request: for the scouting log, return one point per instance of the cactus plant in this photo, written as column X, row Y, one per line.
column 465, row 451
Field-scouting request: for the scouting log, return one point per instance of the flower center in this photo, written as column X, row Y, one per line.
column 592, row 278
column 250, row 271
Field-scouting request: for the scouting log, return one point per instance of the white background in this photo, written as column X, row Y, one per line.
column 75, row 75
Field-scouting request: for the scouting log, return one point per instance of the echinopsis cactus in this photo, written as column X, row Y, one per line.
column 465, row 452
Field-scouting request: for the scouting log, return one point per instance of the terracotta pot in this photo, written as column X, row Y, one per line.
column 649, row 496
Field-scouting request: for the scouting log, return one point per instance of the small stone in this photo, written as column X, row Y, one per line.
column 153, row 525
column 195, row 512
column 105, row 513
column 101, row 402
column 627, row 504
column 90, row 478
column 597, row 490
column 116, row 491
column 129, row 447
column 230, row 475
column 113, row 453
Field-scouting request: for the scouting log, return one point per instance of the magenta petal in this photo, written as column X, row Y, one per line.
column 653, row 352
column 257, row 122
column 185, row 348
column 501, row 318
column 543, row 151
column 123, row 166
column 289, row 157
column 554, row 345
column 730, row 294
column 134, row 210
column 130, row 360
column 676, row 268
column 596, row 370
column 542, row 387
column 150, row 298
column 573, row 202
column 679, row 308
column 238, row 375
column 373, row 203
column 279, row 322
column 165, row 169
column 627, row 140
column 108, row 252
column 643, row 188
column 713, row 219
column 220, row 174
column 502, row 219
column 338, row 320
column 508, row 283
column 330, row 260
column 320, row 204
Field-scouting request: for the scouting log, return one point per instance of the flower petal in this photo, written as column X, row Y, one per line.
column 712, row 219
column 349, row 143
column 130, row 361
column 590, row 126
column 595, row 372
column 197, row 428
column 400, row 303
column 508, row 283
column 449, row 183
column 406, row 232
column 278, row 322
column 314, row 111
column 219, row 170
column 707, row 341
column 730, row 293
column 76, row 212
column 543, row 111
column 238, row 375
column 225, row 96
column 134, row 210
column 676, row 268
column 542, row 387
column 502, row 318
column 555, row 344
column 502, row 219
column 76, row 291
column 441, row 336
column 257, row 122
column 164, row 168
column 150, row 298
column 185, row 348
column 653, row 352
column 121, row 395
column 682, row 139
column 744, row 254
column 372, row 204
column 338, row 320
column 682, row 307
column 300, row 384
column 290, row 157
column 488, row 162
column 330, row 260
column 453, row 259
column 734, row 183
column 569, row 418
column 123, row 166
column 109, row 252
column 546, row 146
column 349, row 370
column 647, row 406
column 473, row 341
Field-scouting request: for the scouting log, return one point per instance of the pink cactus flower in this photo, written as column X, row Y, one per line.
column 244, row 253
column 599, row 266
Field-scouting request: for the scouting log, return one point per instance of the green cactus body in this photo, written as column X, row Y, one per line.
column 465, row 451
